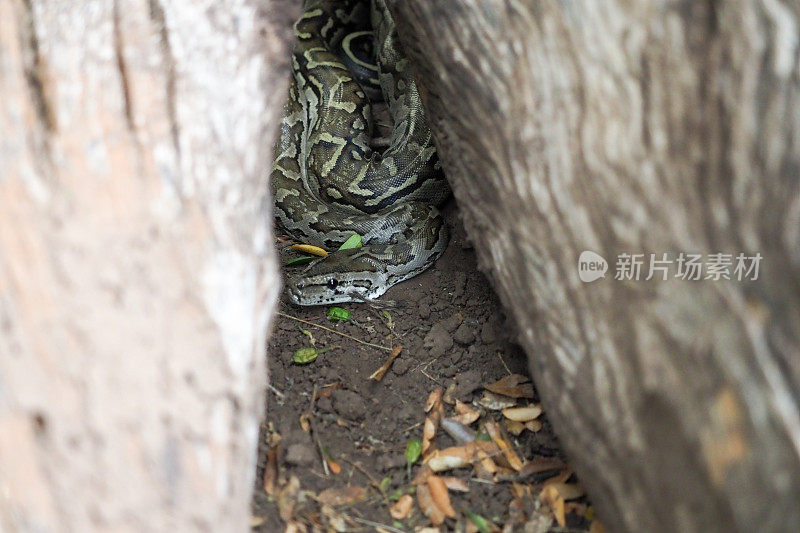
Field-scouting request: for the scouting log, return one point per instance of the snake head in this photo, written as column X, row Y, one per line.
column 344, row 276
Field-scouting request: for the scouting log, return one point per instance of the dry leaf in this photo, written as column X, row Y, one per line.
column 422, row 475
column 428, row 433
column 458, row 456
column 271, row 470
column 485, row 468
column 327, row 390
column 514, row 427
column 462, row 408
column 439, row 463
column 514, row 386
column 378, row 374
column 496, row 402
column 287, row 498
column 568, row 491
column 305, row 422
column 403, row 506
column 553, row 499
column 334, row 467
column 466, row 414
column 449, row 395
column 434, row 398
column 455, row 484
column 273, row 437
column 496, row 433
column 523, row 414
column 533, row 425
column 336, row 521
column 341, row 496
column 428, row 506
column 435, row 410
column 256, row 521
column 440, row 496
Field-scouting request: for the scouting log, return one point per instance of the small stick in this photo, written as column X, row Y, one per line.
column 358, row 466
column 336, row 332
column 500, row 355
column 310, row 413
column 378, row 374
column 278, row 393
column 409, row 428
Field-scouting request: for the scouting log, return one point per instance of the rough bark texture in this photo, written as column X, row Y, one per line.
column 136, row 267
column 652, row 127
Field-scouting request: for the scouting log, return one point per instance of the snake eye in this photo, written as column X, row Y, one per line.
column 332, row 283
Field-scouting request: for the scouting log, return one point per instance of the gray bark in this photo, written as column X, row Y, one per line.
column 638, row 127
column 136, row 266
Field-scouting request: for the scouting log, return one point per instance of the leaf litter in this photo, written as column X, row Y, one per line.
column 493, row 460
column 468, row 441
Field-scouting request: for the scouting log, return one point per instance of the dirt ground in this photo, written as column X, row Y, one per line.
column 454, row 337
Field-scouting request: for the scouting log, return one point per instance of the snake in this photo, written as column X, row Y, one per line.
column 328, row 182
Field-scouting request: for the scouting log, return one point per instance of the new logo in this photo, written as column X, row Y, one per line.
column 591, row 266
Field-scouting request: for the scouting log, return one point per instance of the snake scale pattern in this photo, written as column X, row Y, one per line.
column 327, row 181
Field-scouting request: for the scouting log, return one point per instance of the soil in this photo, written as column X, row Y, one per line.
column 453, row 333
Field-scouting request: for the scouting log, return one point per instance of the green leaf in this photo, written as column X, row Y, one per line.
column 385, row 482
column 337, row 314
column 480, row 522
column 413, row 451
column 303, row 356
column 353, row 242
column 483, row 437
column 297, row 261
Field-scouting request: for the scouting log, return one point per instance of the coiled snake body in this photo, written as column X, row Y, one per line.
column 328, row 183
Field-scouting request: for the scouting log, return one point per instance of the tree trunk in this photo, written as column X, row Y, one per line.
column 637, row 127
column 136, row 266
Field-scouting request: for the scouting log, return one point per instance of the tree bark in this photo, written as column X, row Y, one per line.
column 637, row 127
column 136, row 266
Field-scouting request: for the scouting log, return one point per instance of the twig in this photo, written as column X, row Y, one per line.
column 278, row 393
column 500, row 356
column 430, row 377
column 378, row 374
column 310, row 414
column 336, row 332
column 409, row 428
column 375, row 483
